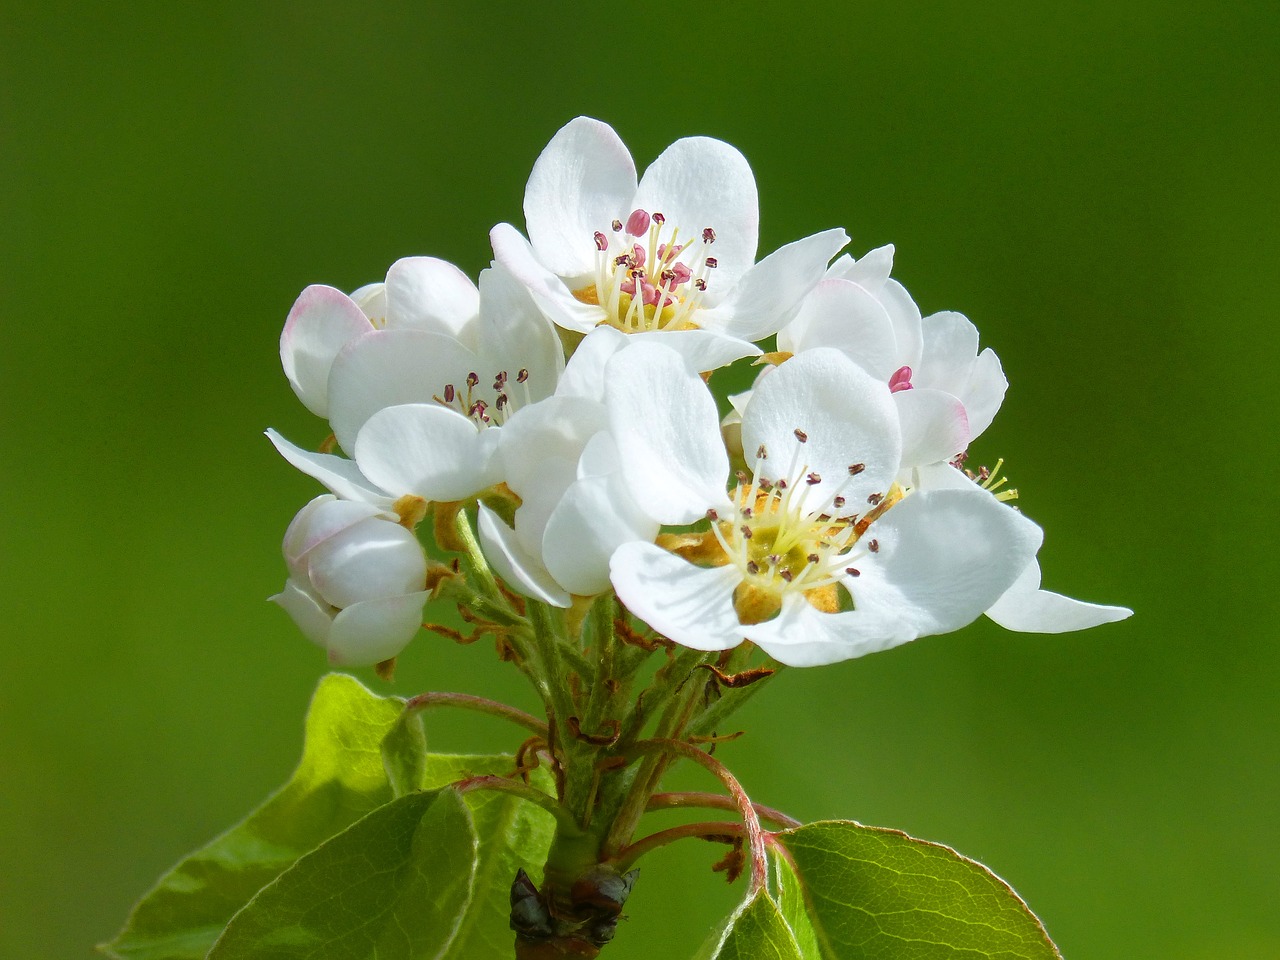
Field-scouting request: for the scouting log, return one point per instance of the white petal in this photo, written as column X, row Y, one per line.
column 323, row 518
column 428, row 450
column 313, row 617
column 547, row 289
column 944, row 557
column 1028, row 609
column 691, row 605
column 392, row 367
column 539, row 500
column 367, row 561
column 985, row 392
column 580, row 183
column 950, row 350
column 934, row 426
column 558, row 428
column 321, row 322
column 338, row 474
column 375, row 630
column 848, row 419
column 766, row 297
column 593, row 519
column 665, row 423
column 520, row 570
column 870, row 270
column 801, row 636
column 905, row 317
column 703, row 350
column 699, row 182
column 584, row 373
column 424, row 293
column 372, row 299
column 845, row 316
column 515, row 335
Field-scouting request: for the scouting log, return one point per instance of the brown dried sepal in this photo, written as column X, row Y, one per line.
column 597, row 739
column 735, row 680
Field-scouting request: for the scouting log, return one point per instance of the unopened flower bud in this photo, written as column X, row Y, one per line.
column 356, row 579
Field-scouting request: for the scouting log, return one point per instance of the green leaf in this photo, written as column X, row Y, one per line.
column 795, row 911
column 513, row 834
column 392, row 885
column 339, row 779
column 757, row 930
column 404, row 753
column 876, row 894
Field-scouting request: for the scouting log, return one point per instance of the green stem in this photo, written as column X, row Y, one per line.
column 503, row 785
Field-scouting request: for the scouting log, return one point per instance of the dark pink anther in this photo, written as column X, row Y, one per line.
column 700, row 284
column 712, row 263
column 708, row 235
column 669, row 253
column 617, row 225
column 637, row 256
column 628, row 287
column 449, row 393
column 901, row 380
column 659, row 219
column 637, row 223
column 602, row 242
column 682, row 273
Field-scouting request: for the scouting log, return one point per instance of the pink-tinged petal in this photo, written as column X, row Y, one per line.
column 520, row 570
column 665, row 423
column 691, row 605
column 843, row 315
column 934, row 426
column 371, row 560
column 584, row 373
column 581, row 182
column 697, row 183
column 515, row 336
column 985, row 392
column 847, row 419
column 870, row 270
column 429, row 451
column 371, row 631
column 321, row 322
column 801, row 636
column 703, row 350
column 950, row 351
column 424, row 293
column 1026, row 608
column 942, row 558
column 313, row 617
column 594, row 518
column 392, row 367
column 339, row 475
column 766, row 297
column 549, row 292
column 320, row 520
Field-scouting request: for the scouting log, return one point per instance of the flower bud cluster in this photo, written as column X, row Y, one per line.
column 557, row 420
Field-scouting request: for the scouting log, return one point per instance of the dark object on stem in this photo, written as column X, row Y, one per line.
column 578, row 926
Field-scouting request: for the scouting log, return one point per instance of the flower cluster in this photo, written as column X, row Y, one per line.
column 556, row 421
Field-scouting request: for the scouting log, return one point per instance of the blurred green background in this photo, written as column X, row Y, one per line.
column 1094, row 184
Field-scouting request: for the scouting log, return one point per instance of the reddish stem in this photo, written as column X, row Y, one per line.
column 480, row 704
column 669, row 801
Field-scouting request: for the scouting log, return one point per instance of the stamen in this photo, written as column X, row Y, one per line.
column 708, row 235
column 602, row 242
column 449, row 393
column 838, row 502
column 801, row 435
column 812, row 478
column 813, row 558
column 473, row 379
column 658, row 218
column 712, row 263
column 617, row 226
column 522, row 376
column 745, row 531
column 637, row 223
column 712, row 514
column 856, row 468
column 762, row 453
column 853, row 571
column 875, row 498
column 874, row 546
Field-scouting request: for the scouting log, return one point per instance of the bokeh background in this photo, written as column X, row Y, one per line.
column 1093, row 183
